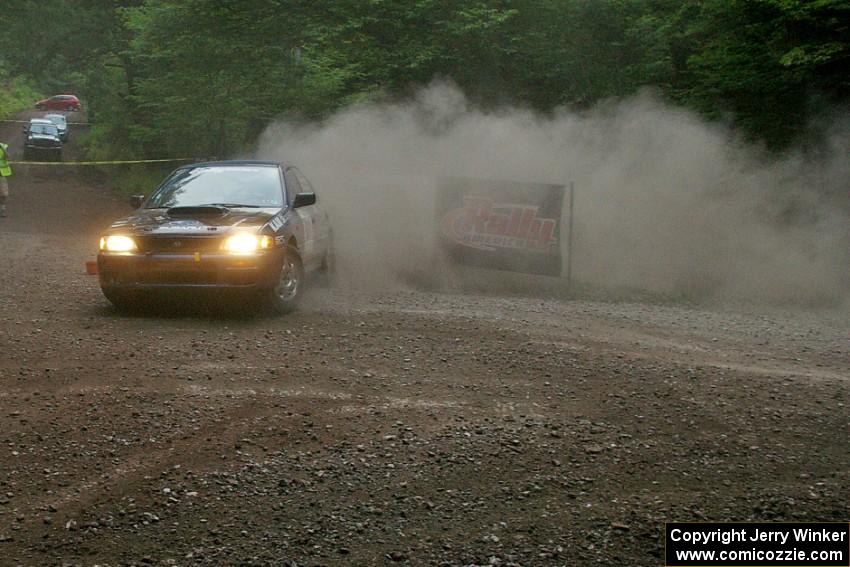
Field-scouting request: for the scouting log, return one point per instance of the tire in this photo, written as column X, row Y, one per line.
column 39, row 107
column 70, row 109
column 124, row 301
column 286, row 293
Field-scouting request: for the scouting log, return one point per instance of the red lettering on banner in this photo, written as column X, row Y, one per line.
column 486, row 225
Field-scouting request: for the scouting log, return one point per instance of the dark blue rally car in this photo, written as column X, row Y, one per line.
column 250, row 227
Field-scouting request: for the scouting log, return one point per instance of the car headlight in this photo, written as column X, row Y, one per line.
column 246, row 243
column 117, row 243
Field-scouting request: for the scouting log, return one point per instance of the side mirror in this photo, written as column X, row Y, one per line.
column 136, row 201
column 304, row 200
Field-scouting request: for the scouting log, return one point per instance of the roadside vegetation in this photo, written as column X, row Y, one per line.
column 15, row 95
column 203, row 78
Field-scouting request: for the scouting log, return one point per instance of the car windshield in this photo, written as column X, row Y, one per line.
column 57, row 119
column 248, row 185
column 44, row 129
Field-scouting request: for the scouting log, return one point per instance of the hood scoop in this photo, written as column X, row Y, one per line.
column 201, row 210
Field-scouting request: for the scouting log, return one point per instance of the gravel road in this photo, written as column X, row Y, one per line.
column 391, row 427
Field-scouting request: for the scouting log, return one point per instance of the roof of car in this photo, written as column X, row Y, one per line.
column 234, row 162
column 51, row 114
column 40, row 121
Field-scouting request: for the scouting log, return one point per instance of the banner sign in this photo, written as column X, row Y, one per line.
column 502, row 225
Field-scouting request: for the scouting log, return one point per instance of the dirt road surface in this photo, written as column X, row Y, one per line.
column 391, row 428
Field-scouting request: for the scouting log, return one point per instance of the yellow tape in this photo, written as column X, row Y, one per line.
column 118, row 162
column 27, row 122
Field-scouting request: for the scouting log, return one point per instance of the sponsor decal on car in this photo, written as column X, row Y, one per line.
column 485, row 224
column 277, row 222
column 179, row 226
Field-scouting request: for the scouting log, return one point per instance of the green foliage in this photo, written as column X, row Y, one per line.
column 203, row 77
column 139, row 179
column 15, row 95
column 764, row 60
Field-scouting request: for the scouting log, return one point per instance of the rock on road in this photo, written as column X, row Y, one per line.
column 391, row 427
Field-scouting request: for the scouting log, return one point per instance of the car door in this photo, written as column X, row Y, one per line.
column 311, row 255
column 321, row 222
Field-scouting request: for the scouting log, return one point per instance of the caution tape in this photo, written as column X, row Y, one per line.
column 114, row 162
column 27, row 122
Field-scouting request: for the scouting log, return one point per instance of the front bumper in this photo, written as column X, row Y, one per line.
column 152, row 271
column 41, row 153
column 35, row 148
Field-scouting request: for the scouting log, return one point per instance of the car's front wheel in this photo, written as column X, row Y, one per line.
column 123, row 300
column 286, row 293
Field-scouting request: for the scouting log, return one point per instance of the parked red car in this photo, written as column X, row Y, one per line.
column 59, row 102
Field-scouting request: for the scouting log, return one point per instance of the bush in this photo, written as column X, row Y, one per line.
column 15, row 95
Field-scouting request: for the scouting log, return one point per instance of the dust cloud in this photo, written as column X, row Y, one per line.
column 664, row 201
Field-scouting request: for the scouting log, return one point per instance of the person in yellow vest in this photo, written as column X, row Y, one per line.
column 5, row 171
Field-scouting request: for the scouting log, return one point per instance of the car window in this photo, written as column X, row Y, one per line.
column 248, row 185
column 293, row 187
column 303, row 181
column 43, row 129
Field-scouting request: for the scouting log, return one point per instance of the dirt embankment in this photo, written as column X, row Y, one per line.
column 391, row 428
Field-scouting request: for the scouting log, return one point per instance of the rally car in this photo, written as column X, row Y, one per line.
column 253, row 228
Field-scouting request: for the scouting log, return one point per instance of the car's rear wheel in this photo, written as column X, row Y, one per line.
column 39, row 107
column 286, row 293
column 70, row 109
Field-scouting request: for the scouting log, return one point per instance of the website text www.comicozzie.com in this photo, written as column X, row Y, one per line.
column 757, row 555
column 739, row 544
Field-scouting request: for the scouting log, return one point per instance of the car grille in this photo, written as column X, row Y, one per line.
column 178, row 244
column 42, row 143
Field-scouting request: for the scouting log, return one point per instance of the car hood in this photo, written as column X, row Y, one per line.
column 35, row 137
column 161, row 222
